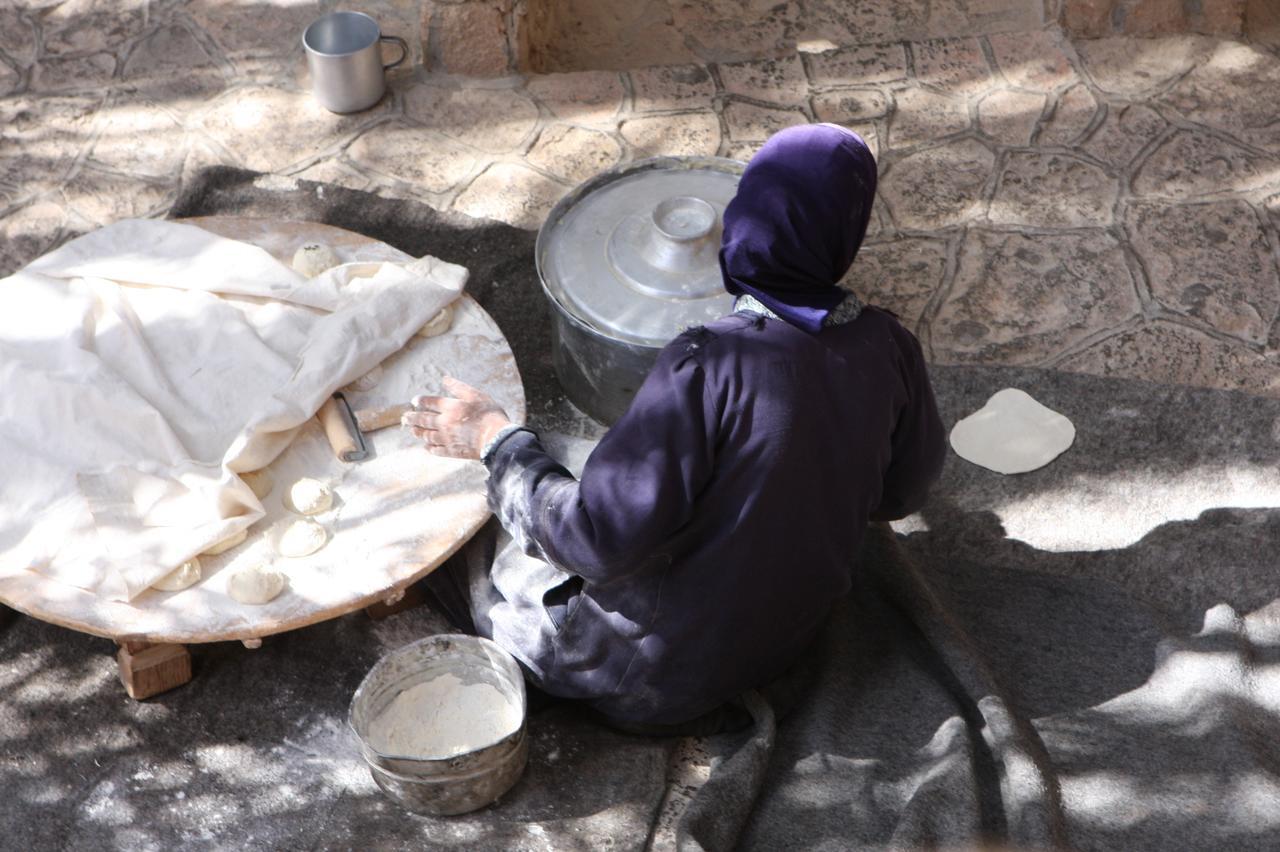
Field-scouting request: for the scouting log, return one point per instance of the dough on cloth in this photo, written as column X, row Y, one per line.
column 227, row 543
column 313, row 258
column 310, row 496
column 185, row 575
column 368, row 381
column 255, row 584
column 438, row 324
column 259, row 481
column 1012, row 433
column 298, row 538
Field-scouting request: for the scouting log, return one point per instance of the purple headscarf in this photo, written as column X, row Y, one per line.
column 794, row 227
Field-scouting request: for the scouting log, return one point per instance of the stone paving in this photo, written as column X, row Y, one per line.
column 1108, row 206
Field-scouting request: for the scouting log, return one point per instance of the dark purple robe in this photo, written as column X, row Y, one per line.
column 714, row 525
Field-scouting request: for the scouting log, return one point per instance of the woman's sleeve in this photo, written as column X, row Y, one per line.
column 918, row 444
column 637, row 489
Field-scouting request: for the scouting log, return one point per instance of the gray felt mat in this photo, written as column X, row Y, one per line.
column 1087, row 656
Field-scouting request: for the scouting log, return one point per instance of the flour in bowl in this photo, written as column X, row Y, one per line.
column 443, row 717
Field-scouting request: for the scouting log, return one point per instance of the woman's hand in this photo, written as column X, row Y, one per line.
column 457, row 427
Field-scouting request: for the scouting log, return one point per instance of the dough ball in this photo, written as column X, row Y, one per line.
column 255, row 584
column 368, row 381
column 313, row 258
column 186, row 574
column 1012, row 433
column 438, row 324
column 310, row 496
column 227, row 543
column 298, row 538
column 260, row 481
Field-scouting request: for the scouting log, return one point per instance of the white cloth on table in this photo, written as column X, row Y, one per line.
column 143, row 366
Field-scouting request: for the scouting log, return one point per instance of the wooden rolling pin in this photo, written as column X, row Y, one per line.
column 373, row 419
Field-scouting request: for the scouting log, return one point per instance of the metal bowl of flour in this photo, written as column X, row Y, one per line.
column 441, row 723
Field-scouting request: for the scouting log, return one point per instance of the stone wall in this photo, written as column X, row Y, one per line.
column 1254, row 19
column 494, row 37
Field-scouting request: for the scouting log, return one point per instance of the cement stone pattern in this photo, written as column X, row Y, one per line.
column 28, row 232
column 73, row 73
column 921, row 116
column 1010, row 116
column 1174, row 354
column 867, row 23
column 693, row 134
column 9, row 80
column 41, row 139
column 955, row 65
column 1072, row 116
column 1024, row 299
column 780, row 81
column 592, row 98
column 17, row 37
column 751, row 123
column 938, row 187
column 1124, row 132
column 260, row 29
column 1211, row 261
column 902, row 275
column 1234, row 90
column 1033, row 60
column 850, row 105
column 1192, row 164
column 271, row 130
column 671, row 88
column 492, row 120
column 416, row 155
column 117, row 147
column 93, row 26
column 1137, row 68
column 100, row 198
column 574, row 153
column 510, row 193
column 877, row 63
column 1046, row 190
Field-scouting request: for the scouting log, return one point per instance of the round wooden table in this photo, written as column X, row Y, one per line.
column 396, row 516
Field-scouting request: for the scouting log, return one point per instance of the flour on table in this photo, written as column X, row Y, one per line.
column 313, row 258
column 227, row 543
column 256, row 584
column 438, row 324
column 1012, row 433
column 185, row 575
column 443, row 717
column 298, row 538
column 310, row 496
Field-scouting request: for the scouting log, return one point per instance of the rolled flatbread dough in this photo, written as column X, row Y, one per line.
column 310, row 496
column 438, row 324
column 259, row 481
column 1012, row 433
column 368, row 381
column 313, row 258
column 255, row 584
column 298, row 538
column 185, row 575
column 227, row 543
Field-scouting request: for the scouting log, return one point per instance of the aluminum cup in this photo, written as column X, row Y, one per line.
column 347, row 74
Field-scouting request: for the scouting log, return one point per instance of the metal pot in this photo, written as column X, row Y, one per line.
column 628, row 260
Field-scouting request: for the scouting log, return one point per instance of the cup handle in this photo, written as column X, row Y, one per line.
column 404, row 50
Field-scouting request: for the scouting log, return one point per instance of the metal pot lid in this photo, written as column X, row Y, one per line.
column 633, row 252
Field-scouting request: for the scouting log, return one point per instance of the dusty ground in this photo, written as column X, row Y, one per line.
column 1110, row 207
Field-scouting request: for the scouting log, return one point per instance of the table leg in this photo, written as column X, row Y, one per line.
column 407, row 598
column 147, row 670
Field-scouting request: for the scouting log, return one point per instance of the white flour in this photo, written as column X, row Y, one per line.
column 443, row 717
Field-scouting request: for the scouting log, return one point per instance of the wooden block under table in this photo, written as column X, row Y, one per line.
column 406, row 598
column 147, row 670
